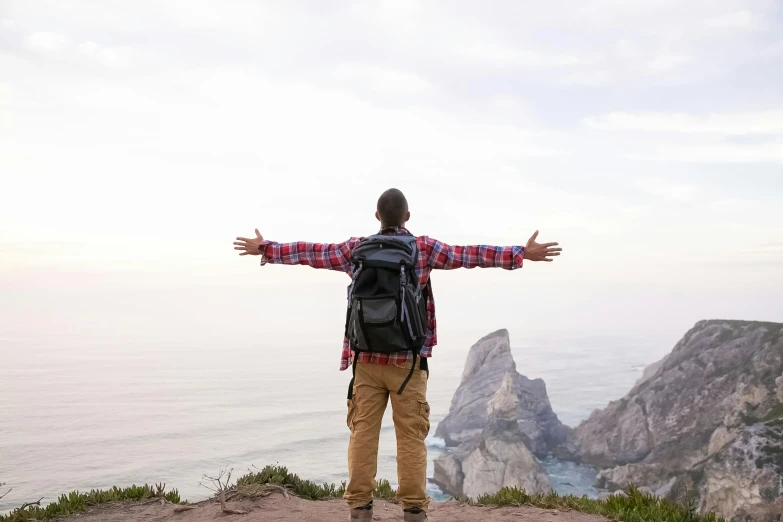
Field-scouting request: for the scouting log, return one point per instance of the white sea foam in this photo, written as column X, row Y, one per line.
column 435, row 442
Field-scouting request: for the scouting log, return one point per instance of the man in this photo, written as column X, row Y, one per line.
column 378, row 377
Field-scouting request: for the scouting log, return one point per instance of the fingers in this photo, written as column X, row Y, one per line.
column 549, row 244
column 244, row 239
column 533, row 237
column 258, row 235
column 545, row 255
column 244, row 253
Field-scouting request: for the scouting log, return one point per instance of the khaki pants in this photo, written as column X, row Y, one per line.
column 373, row 386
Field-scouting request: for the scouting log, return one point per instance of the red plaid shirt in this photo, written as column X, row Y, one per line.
column 433, row 254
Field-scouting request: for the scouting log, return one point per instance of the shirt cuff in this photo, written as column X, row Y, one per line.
column 518, row 256
column 262, row 249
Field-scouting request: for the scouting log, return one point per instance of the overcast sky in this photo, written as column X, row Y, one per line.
column 138, row 138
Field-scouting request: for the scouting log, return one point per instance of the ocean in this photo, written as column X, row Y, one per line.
column 80, row 413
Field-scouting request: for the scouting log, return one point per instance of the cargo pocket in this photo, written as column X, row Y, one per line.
column 351, row 414
column 424, row 419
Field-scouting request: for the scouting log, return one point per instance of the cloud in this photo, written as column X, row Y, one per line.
column 116, row 57
column 592, row 77
column 668, row 62
column 626, row 49
column 667, row 190
column 247, row 18
column 733, row 204
column 739, row 20
column 507, row 103
column 45, row 42
column 6, row 112
column 481, row 89
column 518, row 58
column 764, row 122
column 719, row 153
column 773, row 50
column 88, row 48
column 381, row 79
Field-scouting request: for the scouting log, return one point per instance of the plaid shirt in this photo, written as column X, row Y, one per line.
column 433, row 254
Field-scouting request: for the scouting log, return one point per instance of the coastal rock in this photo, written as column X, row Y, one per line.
column 745, row 480
column 489, row 362
column 497, row 458
column 606, row 495
column 621, row 477
column 647, row 491
column 719, row 438
column 707, row 419
column 722, row 373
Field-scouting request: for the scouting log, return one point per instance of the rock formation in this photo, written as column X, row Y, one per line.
column 499, row 422
column 708, row 418
column 498, row 457
column 489, row 362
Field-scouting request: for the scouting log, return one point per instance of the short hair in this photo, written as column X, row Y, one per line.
column 392, row 207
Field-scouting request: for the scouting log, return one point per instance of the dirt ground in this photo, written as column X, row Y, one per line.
column 276, row 508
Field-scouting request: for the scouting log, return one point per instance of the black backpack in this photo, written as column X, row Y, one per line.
column 387, row 309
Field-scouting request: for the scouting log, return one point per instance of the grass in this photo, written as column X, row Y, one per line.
column 635, row 507
column 76, row 502
column 280, row 476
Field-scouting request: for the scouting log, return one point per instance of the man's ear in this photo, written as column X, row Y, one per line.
column 407, row 216
column 377, row 215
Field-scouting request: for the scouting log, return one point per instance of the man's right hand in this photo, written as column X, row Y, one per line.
column 249, row 246
column 540, row 252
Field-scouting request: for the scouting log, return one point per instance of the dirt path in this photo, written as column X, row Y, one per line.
column 276, row 508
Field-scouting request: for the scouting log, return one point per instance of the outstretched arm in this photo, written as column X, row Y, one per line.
column 331, row 256
column 447, row 257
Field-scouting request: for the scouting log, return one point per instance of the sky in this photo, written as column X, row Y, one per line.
column 137, row 139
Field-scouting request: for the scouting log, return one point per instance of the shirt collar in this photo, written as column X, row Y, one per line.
column 395, row 231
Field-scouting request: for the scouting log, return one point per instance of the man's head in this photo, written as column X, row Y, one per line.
column 392, row 209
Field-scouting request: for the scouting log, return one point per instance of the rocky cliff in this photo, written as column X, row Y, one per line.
column 489, row 362
column 707, row 418
column 499, row 422
column 497, row 458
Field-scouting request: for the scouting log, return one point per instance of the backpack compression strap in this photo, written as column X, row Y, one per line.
column 408, row 378
column 353, row 378
column 424, row 368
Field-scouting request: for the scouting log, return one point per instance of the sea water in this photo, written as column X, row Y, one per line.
column 82, row 413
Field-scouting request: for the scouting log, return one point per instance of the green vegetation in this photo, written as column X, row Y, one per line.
column 635, row 507
column 775, row 414
column 280, row 476
column 76, row 502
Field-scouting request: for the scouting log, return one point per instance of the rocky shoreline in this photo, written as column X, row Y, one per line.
column 702, row 425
